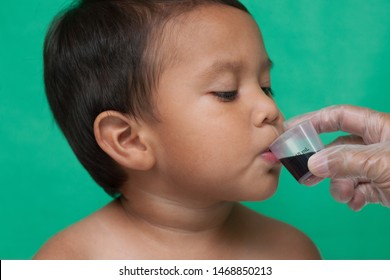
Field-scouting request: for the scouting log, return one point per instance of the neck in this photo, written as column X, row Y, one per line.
column 173, row 214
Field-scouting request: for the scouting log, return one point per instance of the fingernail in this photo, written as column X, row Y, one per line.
column 312, row 181
column 318, row 164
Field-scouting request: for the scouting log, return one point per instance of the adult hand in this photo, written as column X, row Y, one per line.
column 359, row 164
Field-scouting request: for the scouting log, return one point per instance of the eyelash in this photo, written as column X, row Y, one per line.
column 228, row 96
column 268, row 91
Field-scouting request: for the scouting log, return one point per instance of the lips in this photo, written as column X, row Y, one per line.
column 269, row 157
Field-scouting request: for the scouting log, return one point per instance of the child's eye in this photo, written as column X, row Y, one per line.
column 226, row 96
column 268, row 91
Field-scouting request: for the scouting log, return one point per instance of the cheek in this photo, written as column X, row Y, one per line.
column 195, row 147
column 201, row 147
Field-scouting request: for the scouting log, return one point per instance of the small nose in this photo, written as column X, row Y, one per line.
column 265, row 110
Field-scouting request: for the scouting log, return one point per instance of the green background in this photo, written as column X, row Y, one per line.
column 325, row 53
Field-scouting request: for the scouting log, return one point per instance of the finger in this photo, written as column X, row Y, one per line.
column 370, row 193
column 366, row 123
column 298, row 119
column 347, row 140
column 348, row 161
column 348, row 191
column 312, row 181
column 342, row 190
column 345, row 118
column 358, row 201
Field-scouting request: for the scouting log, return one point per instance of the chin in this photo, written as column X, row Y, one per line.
column 262, row 190
column 265, row 193
column 268, row 184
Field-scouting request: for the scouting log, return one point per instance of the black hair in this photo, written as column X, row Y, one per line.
column 101, row 55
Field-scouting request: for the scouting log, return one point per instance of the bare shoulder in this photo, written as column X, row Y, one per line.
column 78, row 241
column 64, row 245
column 281, row 240
column 293, row 243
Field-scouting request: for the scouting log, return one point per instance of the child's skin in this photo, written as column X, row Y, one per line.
column 187, row 170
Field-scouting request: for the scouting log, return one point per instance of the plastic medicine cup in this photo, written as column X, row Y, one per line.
column 294, row 148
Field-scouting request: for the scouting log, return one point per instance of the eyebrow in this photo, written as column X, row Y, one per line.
column 269, row 64
column 221, row 65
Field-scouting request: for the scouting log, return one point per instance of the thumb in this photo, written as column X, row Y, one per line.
column 345, row 161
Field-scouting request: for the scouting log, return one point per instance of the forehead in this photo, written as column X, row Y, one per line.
column 215, row 35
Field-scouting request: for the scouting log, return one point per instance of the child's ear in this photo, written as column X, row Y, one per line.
column 122, row 138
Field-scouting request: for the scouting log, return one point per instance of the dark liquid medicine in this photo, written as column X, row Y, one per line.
column 297, row 165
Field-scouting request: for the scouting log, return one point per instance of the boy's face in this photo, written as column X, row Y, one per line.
column 216, row 122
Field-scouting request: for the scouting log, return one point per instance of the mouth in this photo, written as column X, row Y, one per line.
column 269, row 157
